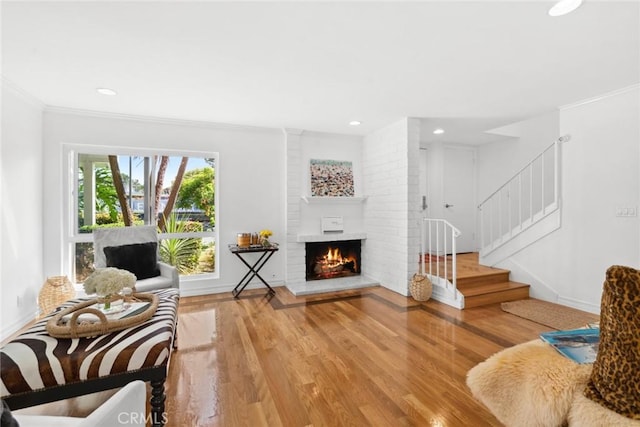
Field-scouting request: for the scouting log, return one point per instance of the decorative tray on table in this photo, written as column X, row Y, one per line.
column 86, row 320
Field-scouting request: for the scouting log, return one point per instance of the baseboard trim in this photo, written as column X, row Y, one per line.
column 193, row 291
column 19, row 323
column 580, row 305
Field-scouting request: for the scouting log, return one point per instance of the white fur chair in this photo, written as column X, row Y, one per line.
column 125, row 408
column 122, row 236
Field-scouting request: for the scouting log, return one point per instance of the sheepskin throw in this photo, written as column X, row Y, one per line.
column 529, row 384
column 615, row 380
column 532, row 385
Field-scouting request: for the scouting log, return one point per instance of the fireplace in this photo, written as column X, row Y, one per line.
column 330, row 260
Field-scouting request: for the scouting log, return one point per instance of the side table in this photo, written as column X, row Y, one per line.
column 266, row 252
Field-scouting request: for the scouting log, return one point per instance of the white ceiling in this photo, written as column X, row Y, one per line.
column 463, row 66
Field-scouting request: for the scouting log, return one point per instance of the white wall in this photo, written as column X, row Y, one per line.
column 600, row 172
column 392, row 211
column 21, row 209
column 499, row 161
column 251, row 176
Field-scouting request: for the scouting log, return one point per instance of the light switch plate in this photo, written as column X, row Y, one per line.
column 626, row 211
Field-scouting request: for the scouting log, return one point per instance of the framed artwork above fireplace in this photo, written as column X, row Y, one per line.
column 331, row 178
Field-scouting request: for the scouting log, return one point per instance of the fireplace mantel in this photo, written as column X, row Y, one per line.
column 330, row 237
column 333, row 200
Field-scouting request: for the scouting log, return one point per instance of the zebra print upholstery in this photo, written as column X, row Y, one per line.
column 35, row 361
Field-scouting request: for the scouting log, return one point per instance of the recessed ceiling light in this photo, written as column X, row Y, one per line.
column 106, row 91
column 564, row 6
column 438, row 131
column 355, row 123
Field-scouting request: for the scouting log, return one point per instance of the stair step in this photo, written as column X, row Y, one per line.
column 479, row 284
column 491, row 287
column 494, row 293
column 487, row 277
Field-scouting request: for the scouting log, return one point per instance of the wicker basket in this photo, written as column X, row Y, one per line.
column 55, row 291
column 420, row 287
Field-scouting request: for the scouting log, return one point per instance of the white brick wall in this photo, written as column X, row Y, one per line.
column 391, row 214
column 294, row 262
column 304, row 218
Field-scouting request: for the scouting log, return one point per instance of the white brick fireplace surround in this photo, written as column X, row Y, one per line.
column 307, row 229
column 327, row 285
column 383, row 215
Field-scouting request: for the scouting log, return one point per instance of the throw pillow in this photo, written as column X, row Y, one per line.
column 140, row 259
column 615, row 379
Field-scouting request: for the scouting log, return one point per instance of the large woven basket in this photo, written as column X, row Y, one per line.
column 55, row 291
column 420, row 287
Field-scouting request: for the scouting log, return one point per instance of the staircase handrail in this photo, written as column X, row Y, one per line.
column 455, row 233
column 523, row 218
column 515, row 175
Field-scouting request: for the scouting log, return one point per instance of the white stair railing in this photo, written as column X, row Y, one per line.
column 438, row 253
column 528, row 197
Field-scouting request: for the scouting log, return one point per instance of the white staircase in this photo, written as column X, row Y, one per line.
column 531, row 197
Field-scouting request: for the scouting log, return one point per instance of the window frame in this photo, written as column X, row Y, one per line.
column 71, row 232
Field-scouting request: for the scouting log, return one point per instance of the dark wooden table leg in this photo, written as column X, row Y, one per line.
column 157, row 403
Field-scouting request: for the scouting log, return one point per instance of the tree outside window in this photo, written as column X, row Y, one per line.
column 118, row 190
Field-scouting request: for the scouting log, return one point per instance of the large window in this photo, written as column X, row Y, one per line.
column 177, row 192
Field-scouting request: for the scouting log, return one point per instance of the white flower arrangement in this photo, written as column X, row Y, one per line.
column 108, row 281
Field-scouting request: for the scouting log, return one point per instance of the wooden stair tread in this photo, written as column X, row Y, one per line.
column 500, row 276
column 479, row 284
column 491, row 288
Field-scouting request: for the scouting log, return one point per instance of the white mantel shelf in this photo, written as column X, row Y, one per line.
column 333, row 200
column 330, row 237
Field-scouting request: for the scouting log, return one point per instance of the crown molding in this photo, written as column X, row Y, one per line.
column 319, row 134
column 157, row 120
column 292, row 131
column 8, row 84
column 600, row 97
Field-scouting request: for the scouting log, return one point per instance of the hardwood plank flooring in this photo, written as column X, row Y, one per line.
column 354, row 358
column 468, row 267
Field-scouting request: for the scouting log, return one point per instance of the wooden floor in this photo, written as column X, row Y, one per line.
column 354, row 358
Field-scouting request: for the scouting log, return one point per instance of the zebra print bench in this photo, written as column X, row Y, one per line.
column 37, row 368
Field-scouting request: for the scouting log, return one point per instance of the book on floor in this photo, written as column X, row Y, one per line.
column 579, row 345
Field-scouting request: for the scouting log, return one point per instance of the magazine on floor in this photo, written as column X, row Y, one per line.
column 579, row 345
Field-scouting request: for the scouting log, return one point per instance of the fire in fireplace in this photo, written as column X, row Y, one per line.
column 329, row 260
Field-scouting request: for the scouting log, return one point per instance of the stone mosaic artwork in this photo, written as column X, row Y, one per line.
column 331, row 178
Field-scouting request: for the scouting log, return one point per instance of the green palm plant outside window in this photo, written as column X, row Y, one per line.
column 182, row 253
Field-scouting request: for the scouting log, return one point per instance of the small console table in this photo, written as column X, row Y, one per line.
column 265, row 252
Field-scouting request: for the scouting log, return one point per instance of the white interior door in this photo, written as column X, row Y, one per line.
column 459, row 195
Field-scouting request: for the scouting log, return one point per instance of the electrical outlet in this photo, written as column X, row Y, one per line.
column 18, row 300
